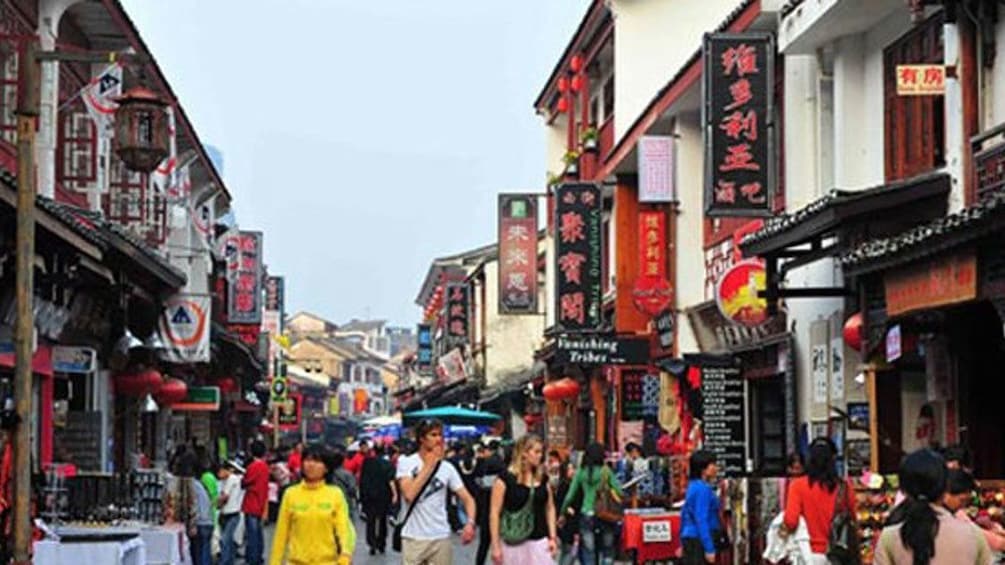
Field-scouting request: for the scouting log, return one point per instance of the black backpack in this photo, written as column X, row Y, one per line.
column 843, row 545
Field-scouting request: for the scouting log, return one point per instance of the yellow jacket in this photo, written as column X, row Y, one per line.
column 310, row 520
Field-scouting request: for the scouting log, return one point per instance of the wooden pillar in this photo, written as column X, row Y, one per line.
column 627, row 319
column 870, row 391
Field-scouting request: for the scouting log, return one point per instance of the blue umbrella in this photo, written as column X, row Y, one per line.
column 452, row 415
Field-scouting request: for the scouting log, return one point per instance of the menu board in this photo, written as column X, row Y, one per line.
column 81, row 438
column 725, row 411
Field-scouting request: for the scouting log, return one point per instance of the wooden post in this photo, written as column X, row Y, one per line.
column 870, row 391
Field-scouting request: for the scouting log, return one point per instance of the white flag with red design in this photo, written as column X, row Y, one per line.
column 99, row 98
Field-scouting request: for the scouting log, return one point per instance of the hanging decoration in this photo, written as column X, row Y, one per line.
column 171, row 391
column 147, row 381
column 852, row 332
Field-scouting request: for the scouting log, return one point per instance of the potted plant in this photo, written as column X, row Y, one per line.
column 553, row 179
column 588, row 139
column 571, row 160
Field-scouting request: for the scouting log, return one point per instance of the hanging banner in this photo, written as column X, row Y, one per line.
column 458, row 310
column 737, row 119
column 517, row 254
column 275, row 294
column 578, row 210
column 656, row 183
column 652, row 293
column 184, row 328
column 244, row 275
column 424, row 347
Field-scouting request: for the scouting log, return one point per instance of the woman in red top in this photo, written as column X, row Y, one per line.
column 813, row 497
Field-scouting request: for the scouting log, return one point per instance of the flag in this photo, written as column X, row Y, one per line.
column 99, row 98
column 184, row 327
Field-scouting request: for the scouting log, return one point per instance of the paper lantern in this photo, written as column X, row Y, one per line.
column 141, row 130
column 577, row 83
column 563, row 84
column 852, row 332
column 172, row 391
column 138, row 384
column 227, row 384
column 576, row 63
column 552, row 391
column 563, row 105
column 532, row 419
column 569, row 388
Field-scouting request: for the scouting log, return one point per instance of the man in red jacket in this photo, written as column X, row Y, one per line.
column 256, row 494
column 354, row 464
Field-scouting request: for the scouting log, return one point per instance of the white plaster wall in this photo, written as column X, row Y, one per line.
column 995, row 97
column 510, row 339
column 690, row 267
column 652, row 41
column 555, row 142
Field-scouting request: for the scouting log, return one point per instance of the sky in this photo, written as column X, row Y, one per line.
column 365, row 138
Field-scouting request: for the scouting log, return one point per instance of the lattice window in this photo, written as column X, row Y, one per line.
column 77, row 149
column 9, row 61
column 127, row 191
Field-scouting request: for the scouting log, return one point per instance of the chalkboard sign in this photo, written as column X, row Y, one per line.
column 725, row 417
column 81, row 437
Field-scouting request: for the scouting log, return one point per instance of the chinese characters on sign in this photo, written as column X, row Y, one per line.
column 724, row 396
column 578, row 257
column 244, row 274
column 517, row 254
column 457, row 313
column 740, row 171
column 921, row 80
column 656, row 169
column 935, row 283
column 652, row 292
column 424, row 351
column 274, row 293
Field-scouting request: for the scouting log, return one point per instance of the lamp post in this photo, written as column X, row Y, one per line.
column 142, row 144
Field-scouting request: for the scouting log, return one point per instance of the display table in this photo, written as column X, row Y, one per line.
column 126, row 552
column 166, row 545
column 652, row 534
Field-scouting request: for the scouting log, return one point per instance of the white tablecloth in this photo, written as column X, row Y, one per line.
column 130, row 552
column 166, row 545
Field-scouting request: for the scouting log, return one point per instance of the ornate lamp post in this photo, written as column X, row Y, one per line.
column 141, row 130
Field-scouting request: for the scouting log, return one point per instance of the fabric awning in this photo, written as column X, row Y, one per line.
column 41, row 362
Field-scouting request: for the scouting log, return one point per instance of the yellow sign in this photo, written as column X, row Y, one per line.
column 921, row 80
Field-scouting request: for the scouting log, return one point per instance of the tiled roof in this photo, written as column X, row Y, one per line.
column 972, row 222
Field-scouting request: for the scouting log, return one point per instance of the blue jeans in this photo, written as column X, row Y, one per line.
column 200, row 545
column 228, row 548
column 254, row 543
column 589, row 551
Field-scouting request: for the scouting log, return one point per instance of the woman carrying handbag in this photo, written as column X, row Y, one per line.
column 522, row 513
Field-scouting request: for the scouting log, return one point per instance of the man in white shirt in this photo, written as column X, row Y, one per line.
column 426, row 533
column 230, row 499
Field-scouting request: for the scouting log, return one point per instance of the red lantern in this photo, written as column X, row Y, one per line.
column 563, row 84
column 227, row 384
column 148, row 381
column 568, row 388
column 171, row 392
column 563, row 105
column 576, row 63
column 531, row 419
column 577, row 83
column 852, row 332
column 552, row 391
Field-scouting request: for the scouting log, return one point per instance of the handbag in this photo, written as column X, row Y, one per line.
column 843, row 543
column 515, row 527
column 607, row 506
column 396, row 537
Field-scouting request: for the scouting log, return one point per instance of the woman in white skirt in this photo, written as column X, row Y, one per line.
column 522, row 514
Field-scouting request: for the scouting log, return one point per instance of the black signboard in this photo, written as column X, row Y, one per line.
column 665, row 327
column 601, row 350
column 738, row 121
column 275, row 294
column 457, row 313
column 518, row 254
column 640, row 396
column 724, row 403
column 424, row 349
column 578, row 223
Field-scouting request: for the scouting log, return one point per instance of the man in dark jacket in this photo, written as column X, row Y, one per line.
column 378, row 494
column 487, row 467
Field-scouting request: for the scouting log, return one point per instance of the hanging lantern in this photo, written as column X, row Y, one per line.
column 552, row 391
column 145, row 382
column 141, row 130
column 577, row 83
column 227, row 384
column 563, row 105
column 852, row 332
column 172, row 391
column 563, row 84
column 532, row 419
column 576, row 63
column 570, row 388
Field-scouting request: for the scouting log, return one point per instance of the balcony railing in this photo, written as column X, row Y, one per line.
column 988, row 150
column 605, row 139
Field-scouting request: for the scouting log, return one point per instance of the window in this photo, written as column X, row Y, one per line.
column 609, row 97
column 8, row 91
column 915, row 125
column 77, row 149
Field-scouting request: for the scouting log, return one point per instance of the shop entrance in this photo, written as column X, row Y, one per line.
column 978, row 342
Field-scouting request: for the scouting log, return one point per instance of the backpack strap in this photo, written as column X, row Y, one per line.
column 415, row 500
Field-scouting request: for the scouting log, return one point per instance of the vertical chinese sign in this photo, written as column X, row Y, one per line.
column 652, row 293
column 578, row 211
column 738, row 123
column 244, row 272
column 656, row 169
column 517, row 254
column 272, row 318
column 457, row 313
column 424, row 351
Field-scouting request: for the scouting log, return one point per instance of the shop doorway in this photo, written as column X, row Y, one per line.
column 978, row 341
column 767, row 423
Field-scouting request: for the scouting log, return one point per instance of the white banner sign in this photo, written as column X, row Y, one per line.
column 656, row 531
column 184, row 328
column 67, row 359
column 656, row 169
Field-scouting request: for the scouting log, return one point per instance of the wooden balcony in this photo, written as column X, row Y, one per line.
column 605, row 139
column 988, row 150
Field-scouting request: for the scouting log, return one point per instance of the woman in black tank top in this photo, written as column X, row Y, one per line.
column 523, row 489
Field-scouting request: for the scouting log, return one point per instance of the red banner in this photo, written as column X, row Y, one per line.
column 652, row 293
column 517, row 254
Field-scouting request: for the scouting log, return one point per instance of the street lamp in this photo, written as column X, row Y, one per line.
column 141, row 130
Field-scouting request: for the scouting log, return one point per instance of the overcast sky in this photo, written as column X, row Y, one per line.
column 364, row 138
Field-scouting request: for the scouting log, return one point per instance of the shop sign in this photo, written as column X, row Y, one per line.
column 652, row 291
column 894, row 344
column 556, row 431
column 640, row 395
column 737, row 294
column 244, row 278
column 275, row 294
column 665, row 323
column 737, row 119
column 79, row 360
column 184, row 328
column 601, row 350
column 289, row 412
column 424, row 347
column 716, row 334
column 656, row 169
column 199, row 399
column 724, row 401
column 457, row 312
column 518, row 254
column 941, row 282
column 921, row 80
column 451, row 367
column 247, row 333
column 578, row 210
column 656, row 531
column 279, row 387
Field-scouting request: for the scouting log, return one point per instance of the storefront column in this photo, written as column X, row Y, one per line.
column 870, row 384
column 46, row 391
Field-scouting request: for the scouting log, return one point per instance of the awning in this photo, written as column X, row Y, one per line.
column 41, row 361
column 305, row 378
column 452, row 415
column 512, row 382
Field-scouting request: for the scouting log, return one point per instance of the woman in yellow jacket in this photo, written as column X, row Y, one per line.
column 313, row 526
